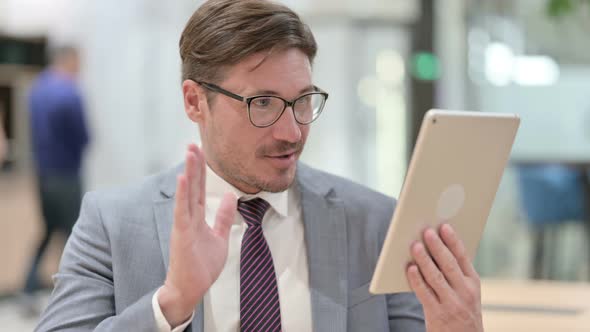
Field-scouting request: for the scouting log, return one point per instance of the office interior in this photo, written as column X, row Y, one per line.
column 384, row 63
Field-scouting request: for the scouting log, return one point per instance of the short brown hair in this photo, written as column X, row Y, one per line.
column 221, row 33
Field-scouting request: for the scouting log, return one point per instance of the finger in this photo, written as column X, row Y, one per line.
column 203, row 176
column 444, row 259
column 181, row 204
column 201, row 173
column 226, row 215
column 192, row 178
column 432, row 275
column 424, row 293
column 456, row 247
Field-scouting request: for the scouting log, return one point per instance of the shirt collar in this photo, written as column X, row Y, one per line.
column 217, row 186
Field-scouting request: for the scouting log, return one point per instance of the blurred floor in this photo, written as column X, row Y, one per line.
column 12, row 317
column 20, row 231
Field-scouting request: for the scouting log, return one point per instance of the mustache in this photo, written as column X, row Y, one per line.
column 280, row 147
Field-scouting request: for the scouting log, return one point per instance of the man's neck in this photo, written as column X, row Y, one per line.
column 246, row 189
column 63, row 70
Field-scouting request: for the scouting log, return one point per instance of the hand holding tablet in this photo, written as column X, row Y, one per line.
column 452, row 180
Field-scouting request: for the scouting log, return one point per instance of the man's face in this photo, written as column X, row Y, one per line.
column 251, row 158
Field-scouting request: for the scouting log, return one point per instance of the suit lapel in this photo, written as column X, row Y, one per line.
column 164, row 218
column 325, row 234
column 324, row 220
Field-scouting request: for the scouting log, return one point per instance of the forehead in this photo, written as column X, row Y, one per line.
column 283, row 71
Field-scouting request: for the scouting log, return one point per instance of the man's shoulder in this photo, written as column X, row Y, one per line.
column 351, row 193
column 368, row 212
column 136, row 195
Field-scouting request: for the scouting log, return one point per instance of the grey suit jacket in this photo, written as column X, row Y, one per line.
column 117, row 256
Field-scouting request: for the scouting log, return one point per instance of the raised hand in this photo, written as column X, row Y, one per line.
column 197, row 251
column 446, row 283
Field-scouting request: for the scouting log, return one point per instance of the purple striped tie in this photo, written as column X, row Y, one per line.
column 260, row 309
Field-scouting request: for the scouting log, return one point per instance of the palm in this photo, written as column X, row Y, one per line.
column 197, row 251
column 208, row 254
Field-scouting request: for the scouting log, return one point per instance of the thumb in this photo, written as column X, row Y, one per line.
column 226, row 215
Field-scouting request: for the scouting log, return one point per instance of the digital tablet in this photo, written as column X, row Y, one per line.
column 454, row 173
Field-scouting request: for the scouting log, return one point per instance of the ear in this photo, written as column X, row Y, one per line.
column 195, row 101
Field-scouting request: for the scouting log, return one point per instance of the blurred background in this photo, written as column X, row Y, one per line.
column 384, row 63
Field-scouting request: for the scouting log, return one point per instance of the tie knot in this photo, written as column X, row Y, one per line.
column 253, row 210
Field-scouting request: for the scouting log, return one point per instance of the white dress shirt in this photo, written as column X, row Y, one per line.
column 283, row 229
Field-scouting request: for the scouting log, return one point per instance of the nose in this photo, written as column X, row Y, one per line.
column 286, row 128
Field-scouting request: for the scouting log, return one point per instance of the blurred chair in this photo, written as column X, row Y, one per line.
column 551, row 195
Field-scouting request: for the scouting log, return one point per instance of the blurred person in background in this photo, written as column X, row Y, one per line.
column 59, row 138
column 3, row 142
column 242, row 236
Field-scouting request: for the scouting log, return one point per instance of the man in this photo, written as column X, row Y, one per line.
column 59, row 138
column 300, row 250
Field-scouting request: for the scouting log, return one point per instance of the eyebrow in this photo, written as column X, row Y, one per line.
column 309, row 88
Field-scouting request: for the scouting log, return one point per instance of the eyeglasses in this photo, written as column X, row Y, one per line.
column 264, row 111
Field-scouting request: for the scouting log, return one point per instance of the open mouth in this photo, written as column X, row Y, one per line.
column 284, row 156
column 282, row 159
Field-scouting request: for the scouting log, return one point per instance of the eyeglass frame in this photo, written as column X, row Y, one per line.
column 248, row 100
